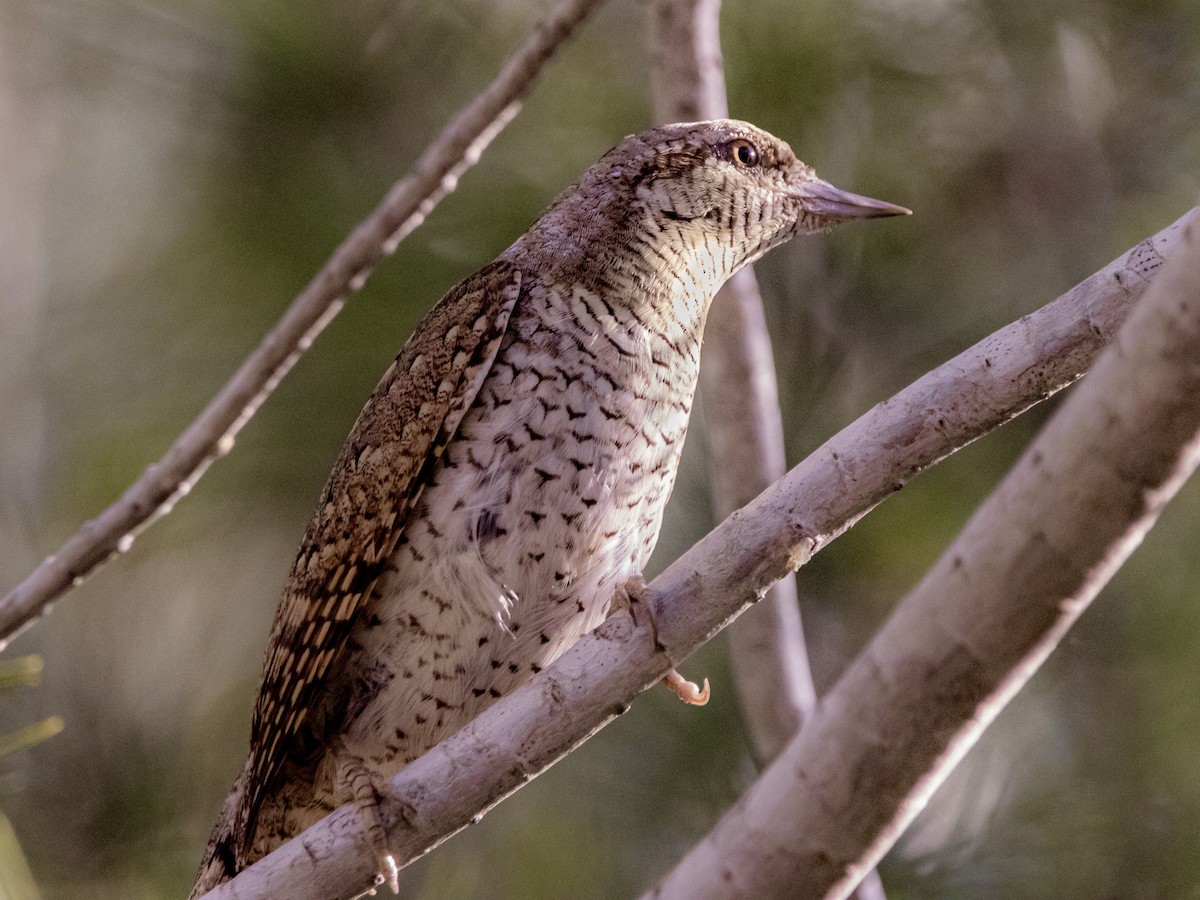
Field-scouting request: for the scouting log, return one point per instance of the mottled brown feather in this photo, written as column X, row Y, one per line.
column 377, row 480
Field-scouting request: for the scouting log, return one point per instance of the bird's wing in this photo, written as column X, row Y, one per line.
column 377, row 480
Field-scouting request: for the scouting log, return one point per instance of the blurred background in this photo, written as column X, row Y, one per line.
column 173, row 171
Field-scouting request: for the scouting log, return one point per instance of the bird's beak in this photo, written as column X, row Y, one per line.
column 822, row 199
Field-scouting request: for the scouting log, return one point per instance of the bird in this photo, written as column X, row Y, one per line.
column 508, row 475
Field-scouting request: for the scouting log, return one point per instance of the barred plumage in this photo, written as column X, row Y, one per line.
column 511, row 469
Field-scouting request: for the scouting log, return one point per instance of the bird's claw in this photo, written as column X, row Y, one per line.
column 357, row 781
column 634, row 595
column 687, row 691
column 388, row 872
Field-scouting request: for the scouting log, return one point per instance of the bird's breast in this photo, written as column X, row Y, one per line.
column 549, row 496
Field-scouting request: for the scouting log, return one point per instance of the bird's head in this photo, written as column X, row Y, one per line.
column 731, row 182
column 701, row 199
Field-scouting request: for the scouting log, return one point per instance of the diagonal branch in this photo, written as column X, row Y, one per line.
column 979, row 624
column 463, row 777
column 212, row 434
column 737, row 385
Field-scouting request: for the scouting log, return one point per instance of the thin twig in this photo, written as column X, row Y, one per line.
column 212, row 434
column 979, row 624
column 741, row 405
column 463, row 777
column 741, row 400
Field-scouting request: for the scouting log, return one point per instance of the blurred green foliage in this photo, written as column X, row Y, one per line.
column 172, row 172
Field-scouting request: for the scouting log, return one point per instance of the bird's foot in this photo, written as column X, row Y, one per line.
column 687, row 691
column 358, row 784
column 634, row 595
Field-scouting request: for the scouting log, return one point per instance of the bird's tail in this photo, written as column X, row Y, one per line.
column 220, row 861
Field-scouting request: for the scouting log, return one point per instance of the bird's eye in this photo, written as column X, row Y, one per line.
column 744, row 153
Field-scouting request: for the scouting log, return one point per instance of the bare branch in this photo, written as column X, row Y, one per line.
column 461, row 778
column 737, row 385
column 687, row 76
column 212, row 434
column 979, row 624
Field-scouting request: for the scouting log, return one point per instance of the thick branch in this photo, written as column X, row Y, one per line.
column 979, row 624
column 737, row 384
column 464, row 776
column 211, row 435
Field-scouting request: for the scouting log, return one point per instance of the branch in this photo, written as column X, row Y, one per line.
column 979, row 624
column 737, row 385
column 463, row 777
column 212, row 434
